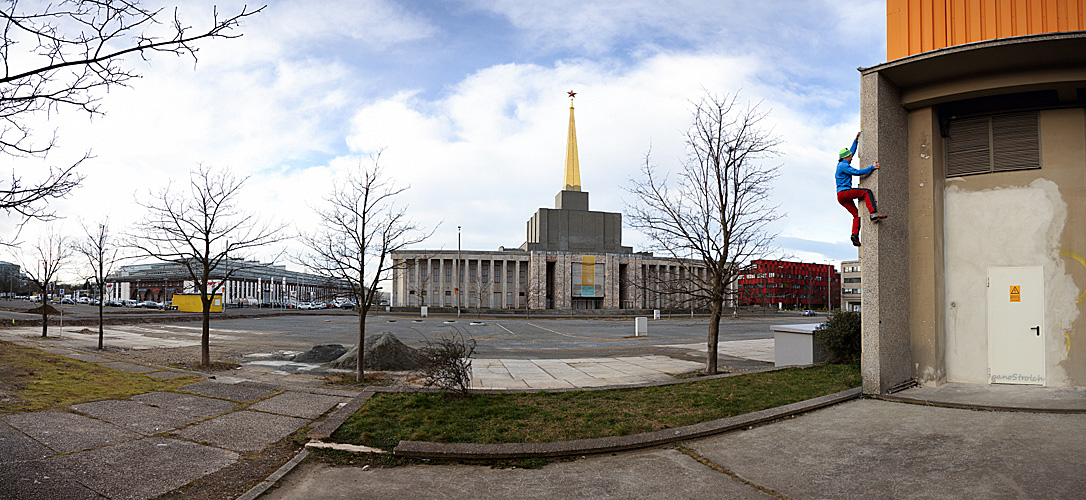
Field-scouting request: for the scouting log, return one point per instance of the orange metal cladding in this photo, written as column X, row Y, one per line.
column 915, row 26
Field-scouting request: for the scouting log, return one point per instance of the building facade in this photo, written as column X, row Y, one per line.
column 789, row 285
column 979, row 121
column 250, row 283
column 572, row 258
column 851, row 285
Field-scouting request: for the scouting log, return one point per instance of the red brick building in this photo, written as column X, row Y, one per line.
column 789, row 285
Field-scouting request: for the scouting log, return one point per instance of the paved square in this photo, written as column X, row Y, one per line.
column 68, row 432
column 233, row 392
column 243, row 430
column 571, row 373
column 16, row 446
column 135, row 416
column 196, row 406
column 142, row 469
column 298, row 404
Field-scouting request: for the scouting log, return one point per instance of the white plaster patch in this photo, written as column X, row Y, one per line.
column 1003, row 227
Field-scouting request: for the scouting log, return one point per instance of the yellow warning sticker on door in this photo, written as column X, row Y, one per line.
column 1016, row 293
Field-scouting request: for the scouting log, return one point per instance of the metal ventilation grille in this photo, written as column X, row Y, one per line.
column 1014, row 138
column 997, row 143
column 967, row 149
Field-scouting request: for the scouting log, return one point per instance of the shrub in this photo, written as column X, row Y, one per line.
column 447, row 363
column 840, row 337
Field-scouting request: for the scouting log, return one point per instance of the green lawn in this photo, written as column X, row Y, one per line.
column 33, row 380
column 387, row 419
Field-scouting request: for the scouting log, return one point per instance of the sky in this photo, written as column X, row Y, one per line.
column 467, row 102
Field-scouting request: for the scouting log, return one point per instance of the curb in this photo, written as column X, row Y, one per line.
column 980, row 407
column 270, row 481
column 423, row 449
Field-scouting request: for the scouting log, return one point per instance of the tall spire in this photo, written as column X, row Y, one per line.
column 573, row 166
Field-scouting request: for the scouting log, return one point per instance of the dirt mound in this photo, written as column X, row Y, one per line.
column 382, row 352
column 321, row 354
column 51, row 310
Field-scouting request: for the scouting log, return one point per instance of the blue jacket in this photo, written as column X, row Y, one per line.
column 845, row 172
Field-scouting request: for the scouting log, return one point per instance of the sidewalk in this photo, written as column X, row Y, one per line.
column 859, row 449
column 149, row 444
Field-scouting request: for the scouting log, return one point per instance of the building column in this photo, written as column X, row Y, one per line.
column 886, row 361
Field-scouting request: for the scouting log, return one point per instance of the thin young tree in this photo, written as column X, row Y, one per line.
column 100, row 250
column 203, row 230
column 65, row 55
column 718, row 209
column 48, row 258
column 360, row 226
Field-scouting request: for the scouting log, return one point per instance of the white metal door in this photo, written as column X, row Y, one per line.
column 1016, row 325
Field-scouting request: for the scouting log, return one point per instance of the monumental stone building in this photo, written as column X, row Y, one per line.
column 572, row 258
column 978, row 118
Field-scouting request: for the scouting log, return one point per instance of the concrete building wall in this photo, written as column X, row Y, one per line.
column 925, row 273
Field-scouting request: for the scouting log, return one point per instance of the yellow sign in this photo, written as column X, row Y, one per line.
column 1016, row 293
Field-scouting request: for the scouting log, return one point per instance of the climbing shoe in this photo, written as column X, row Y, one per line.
column 856, row 240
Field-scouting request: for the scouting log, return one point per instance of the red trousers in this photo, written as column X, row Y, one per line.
column 845, row 199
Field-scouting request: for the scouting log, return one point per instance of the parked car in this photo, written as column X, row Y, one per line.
column 66, row 300
column 808, row 312
column 149, row 304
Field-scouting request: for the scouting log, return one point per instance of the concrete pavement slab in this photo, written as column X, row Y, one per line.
column 298, row 404
column 243, row 430
column 189, row 404
column 90, row 358
column 135, row 416
column 38, row 480
column 16, row 446
column 879, row 449
column 56, row 350
column 660, row 473
column 67, row 432
column 129, row 367
column 142, row 469
column 234, row 392
column 167, row 374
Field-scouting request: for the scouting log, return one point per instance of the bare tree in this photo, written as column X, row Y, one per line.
column 100, row 251
column 719, row 208
column 50, row 255
column 64, row 55
column 203, row 230
column 359, row 229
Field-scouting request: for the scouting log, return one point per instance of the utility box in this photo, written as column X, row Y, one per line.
column 641, row 326
column 424, row 311
column 795, row 345
column 655, row 314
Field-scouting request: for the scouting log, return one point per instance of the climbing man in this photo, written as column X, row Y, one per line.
column 846, row 193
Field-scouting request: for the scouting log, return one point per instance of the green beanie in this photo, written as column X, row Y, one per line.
column 844, row 153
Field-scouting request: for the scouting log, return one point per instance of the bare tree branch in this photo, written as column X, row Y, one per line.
column 718, row 210
column 64, row 55
column 100, row 250
column 49, row 256
column 360, row 226
column 202, row 229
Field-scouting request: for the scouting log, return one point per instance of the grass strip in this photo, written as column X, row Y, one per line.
column 386, row 419
column 34, row 380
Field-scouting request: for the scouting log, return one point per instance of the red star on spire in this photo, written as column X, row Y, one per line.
column 572, row 94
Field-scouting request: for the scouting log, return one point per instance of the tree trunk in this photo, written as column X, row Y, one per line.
column 205, row 336
column 44, row 315
column 360, row 374
column 101, row 331
column 714, row 335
